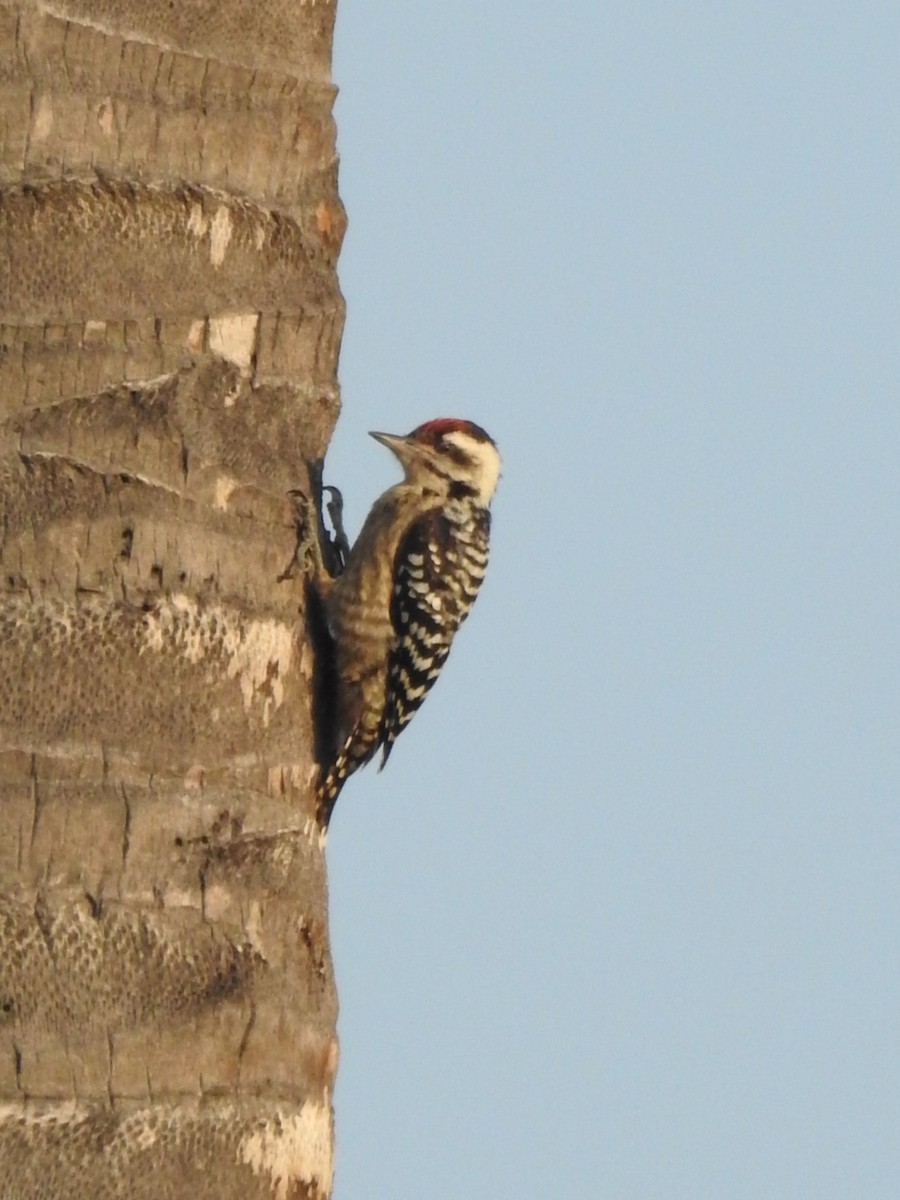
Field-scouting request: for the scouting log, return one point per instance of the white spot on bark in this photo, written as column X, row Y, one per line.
column 175, row 897
column 233, row 337
column 216, row 901
column 94, row 331
column 145, row 1138
column 43, row 119
column 258, row 653
column 197, row 222
column 253, row 925
column 220, row 229
column 334, row 1051
column 196, row 334
column 292, row 1148
column 261, row 656
column 283, row 856
column 220, row 235
column 225, row 485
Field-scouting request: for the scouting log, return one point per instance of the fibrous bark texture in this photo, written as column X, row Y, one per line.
column 169, row 328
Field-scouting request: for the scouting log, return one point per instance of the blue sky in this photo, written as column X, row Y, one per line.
column 620, row 919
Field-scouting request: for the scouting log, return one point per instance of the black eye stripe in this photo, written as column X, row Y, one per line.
column 455, row 453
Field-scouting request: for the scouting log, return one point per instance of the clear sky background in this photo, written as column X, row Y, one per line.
column 621, row 918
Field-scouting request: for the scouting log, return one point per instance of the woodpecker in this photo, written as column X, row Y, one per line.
column 409, row 583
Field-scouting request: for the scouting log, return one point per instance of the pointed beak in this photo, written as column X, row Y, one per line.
column 408, row 451
column 405, row 450
column 391, row 440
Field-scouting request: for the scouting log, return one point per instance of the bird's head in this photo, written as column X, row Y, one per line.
column 454, row 451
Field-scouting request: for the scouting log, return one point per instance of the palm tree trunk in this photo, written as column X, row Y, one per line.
column 169, row 329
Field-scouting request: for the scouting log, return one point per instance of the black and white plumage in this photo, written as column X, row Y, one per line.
column 410, row 581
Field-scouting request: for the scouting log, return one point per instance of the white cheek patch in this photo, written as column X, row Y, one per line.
column 486, row 456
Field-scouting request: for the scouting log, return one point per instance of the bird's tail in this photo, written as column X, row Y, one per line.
column 354, row 753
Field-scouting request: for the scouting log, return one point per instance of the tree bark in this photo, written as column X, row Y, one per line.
column 169, row 328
